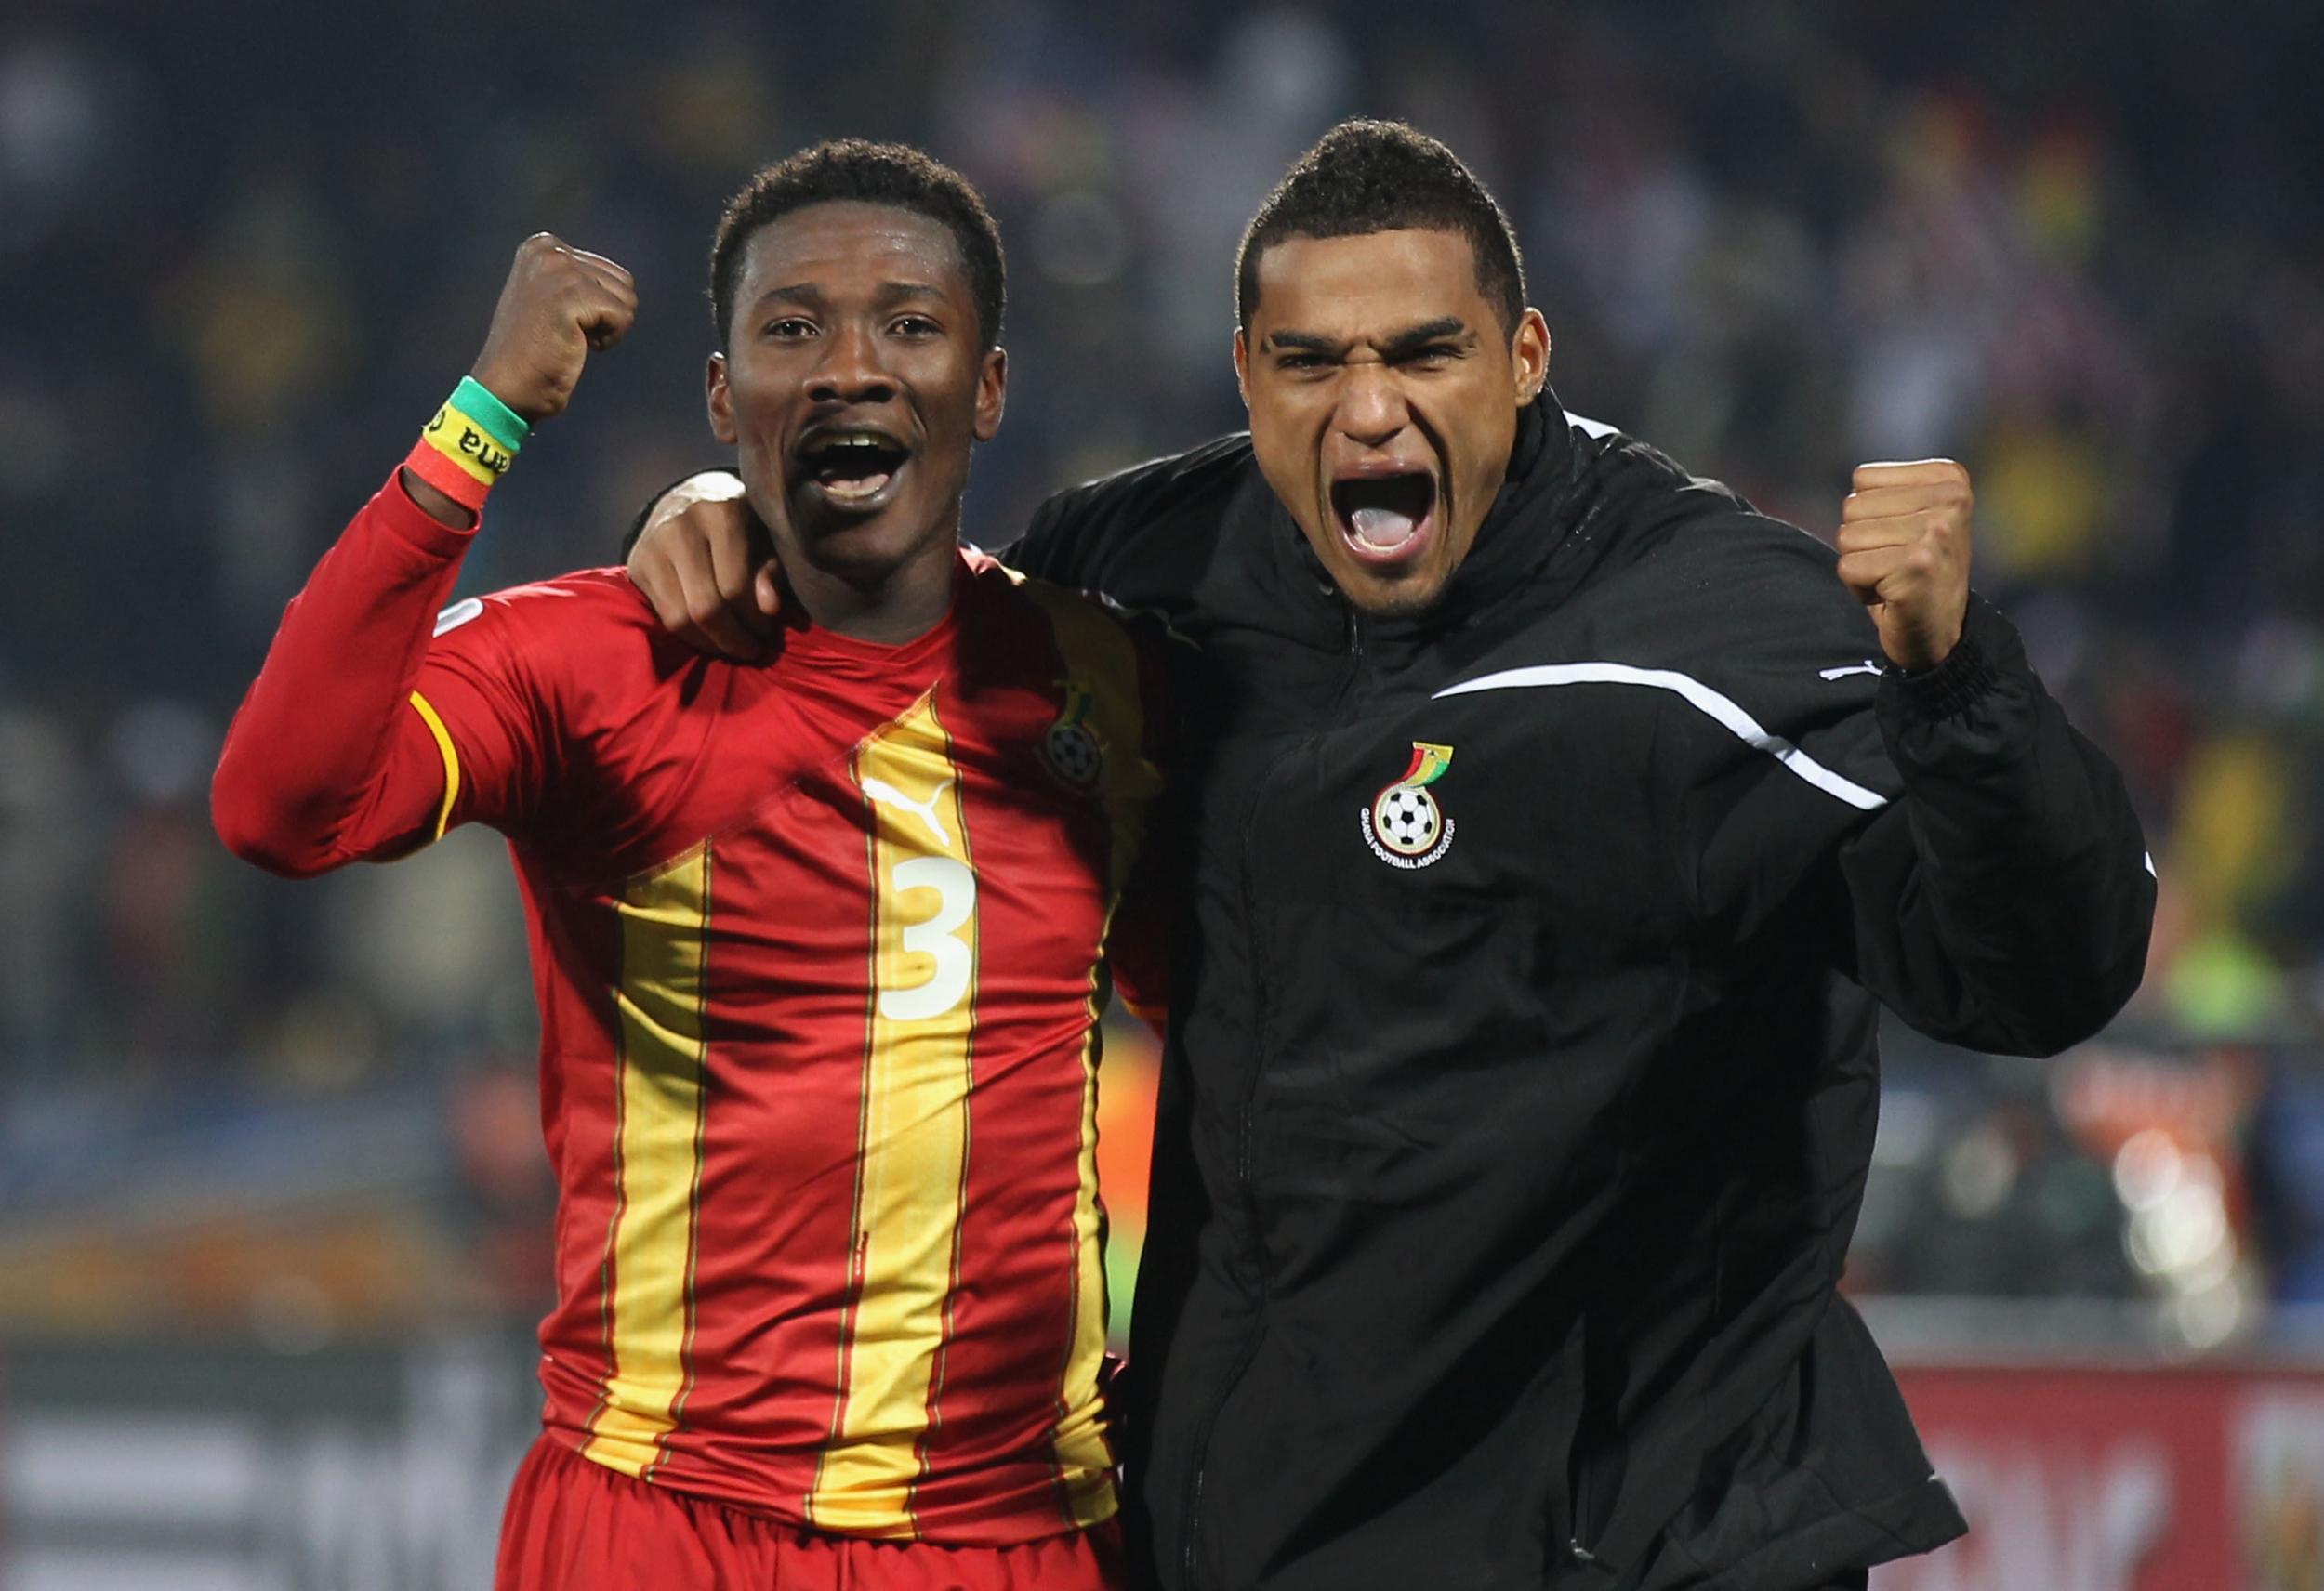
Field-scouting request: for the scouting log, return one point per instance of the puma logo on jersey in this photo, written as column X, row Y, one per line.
column 888, row 795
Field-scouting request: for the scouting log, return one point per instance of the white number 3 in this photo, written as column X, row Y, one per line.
column 937, row 938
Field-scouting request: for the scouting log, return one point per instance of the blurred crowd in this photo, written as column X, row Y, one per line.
column 2079, row 246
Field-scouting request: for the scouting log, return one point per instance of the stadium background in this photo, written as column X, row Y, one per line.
column 273, row 1206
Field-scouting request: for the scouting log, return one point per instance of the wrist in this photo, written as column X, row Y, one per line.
column 1958, row 680
column 480, row 392
column 464, row 450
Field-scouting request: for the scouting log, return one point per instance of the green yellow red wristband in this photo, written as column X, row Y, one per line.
column 468, row 445
column 477, row 400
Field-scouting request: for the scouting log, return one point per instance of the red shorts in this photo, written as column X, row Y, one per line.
column 575, row 1525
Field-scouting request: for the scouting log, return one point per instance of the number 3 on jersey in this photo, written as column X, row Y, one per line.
column 939, row 938
column 925, row 906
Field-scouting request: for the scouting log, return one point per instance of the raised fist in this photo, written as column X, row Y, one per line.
column 558, row 303
column 1904, row 551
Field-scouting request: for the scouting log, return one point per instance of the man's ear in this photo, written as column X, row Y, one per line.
column 1242, row 365
column 1529, row 355
column 992, row 393
column 722, row 402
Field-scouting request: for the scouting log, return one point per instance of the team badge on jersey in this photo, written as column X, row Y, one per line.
column 1404, row 825
column 1069, row 748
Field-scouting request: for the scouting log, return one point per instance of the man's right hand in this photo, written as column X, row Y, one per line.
column 703, row 562
column 558, row 303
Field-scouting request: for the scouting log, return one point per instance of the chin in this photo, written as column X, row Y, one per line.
column 866, row 552
column 1396, row 600
column 1388, row 595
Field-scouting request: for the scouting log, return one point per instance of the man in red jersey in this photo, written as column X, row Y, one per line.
column 819, row 942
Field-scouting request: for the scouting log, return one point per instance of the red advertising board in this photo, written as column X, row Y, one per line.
column 2132, row 1479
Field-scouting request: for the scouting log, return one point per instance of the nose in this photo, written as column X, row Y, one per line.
column 1371, row 406
column 850, row 371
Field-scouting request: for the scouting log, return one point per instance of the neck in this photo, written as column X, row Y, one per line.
column 899, row 605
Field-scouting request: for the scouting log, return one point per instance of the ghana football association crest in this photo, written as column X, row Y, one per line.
column 1069, row 748
column 1404, row 825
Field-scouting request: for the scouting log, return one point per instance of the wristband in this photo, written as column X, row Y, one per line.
column 468, row 445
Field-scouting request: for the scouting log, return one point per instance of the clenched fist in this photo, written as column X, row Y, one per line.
column 558, row 303
column 1904, row 551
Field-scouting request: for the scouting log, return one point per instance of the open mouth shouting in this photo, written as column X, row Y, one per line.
column 850, row 468
column 1386, row 517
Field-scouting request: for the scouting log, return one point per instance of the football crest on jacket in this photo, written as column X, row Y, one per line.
column 1404, row 825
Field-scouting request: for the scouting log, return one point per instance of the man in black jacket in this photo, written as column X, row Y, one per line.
column 1560, row 823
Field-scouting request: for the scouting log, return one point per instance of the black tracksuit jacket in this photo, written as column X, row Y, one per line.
column 1515, row 1118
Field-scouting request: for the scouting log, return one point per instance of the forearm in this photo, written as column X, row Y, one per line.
column 2006, row 900
column 328, row 760
column 437, row 505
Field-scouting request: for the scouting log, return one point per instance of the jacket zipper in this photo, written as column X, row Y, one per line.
column 1191, row 1513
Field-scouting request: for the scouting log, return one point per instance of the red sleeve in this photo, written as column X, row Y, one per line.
column 1138, row 941
column 1138, row 944
column 364, row 735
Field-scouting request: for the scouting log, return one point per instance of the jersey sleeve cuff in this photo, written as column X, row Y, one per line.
column 1966, row 676
column 408, row 522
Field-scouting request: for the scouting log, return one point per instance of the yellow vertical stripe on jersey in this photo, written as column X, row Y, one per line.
column 1085, row 1463
column 650, row 1307
column 1101, row 663
column 451, row 761
column 912, row 1161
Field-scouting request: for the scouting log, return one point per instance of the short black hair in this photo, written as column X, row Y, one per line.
column 1366, row 176
column 864, row 172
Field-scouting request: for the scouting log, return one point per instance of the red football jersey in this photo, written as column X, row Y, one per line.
column 820, row 945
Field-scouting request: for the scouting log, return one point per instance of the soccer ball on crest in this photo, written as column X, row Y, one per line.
column 1407, row 820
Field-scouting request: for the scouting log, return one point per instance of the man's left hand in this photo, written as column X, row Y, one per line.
column 1904, row 551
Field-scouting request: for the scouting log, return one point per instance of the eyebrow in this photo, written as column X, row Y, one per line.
column 1413, row 338
column 889, row 292
column 1399, row 345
